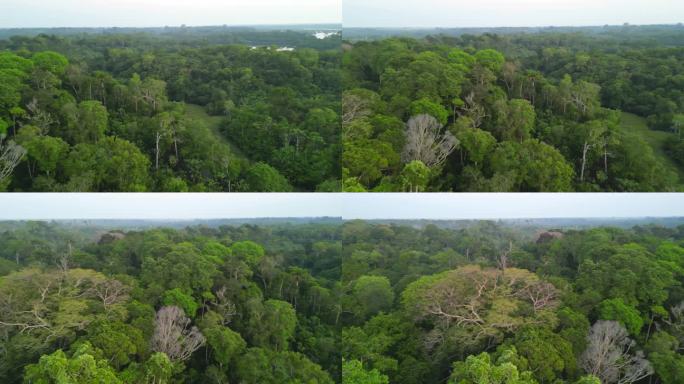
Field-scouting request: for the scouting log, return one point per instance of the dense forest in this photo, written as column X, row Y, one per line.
column 350, row 302
column 583, row 109
column 493, row 303
column 176, row 109
column 230, row 304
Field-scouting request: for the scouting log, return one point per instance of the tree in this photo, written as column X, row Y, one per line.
column 262, row 177
column 668, row 364
column 534, row 166
column 172, row 335
column 415, row 175
column 10, row 156
column 226, row 344
column 372, row 294
column 46, row 151
column 548, row 354
column 483, row 303
column 112, row 164
column 593, row 133
column 610, row 356
column 259, row 366
column 367, row 159
column 425, row 106
column 274, row 324
column 120, row 343
column 248, row 251
column 176, row 297
column 50, row 61
column 627, row 316
column 81, row 368
column 517, row 121
column 48, row 67
column 86, row 123
column 490, row 59
column 481, row 369
column 426, row 142
column 152, row 91
column 475, row 144
column 354, row 373
column 158, row 369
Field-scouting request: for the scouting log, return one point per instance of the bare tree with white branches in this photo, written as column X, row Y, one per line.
column 10, row 156
column 610, row 356
column 353, row 107
column 173, row 336
column 426, row 142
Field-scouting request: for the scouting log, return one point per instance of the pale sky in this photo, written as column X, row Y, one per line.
column 156, row 13
column 453, row 206
column 509, row 13
column 166, row 206
column 447, row 206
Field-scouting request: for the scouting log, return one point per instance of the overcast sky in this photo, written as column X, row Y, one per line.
column 166, row 206
column 511, row 205
column 36, row 206
column 153, row 13
column 508, row 13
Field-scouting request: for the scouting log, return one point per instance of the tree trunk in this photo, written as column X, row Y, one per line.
column 156, row 151
column 585, row 149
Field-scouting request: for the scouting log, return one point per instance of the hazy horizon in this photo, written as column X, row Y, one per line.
column 180, row 26
column 382, row 206
column 151, row 14
column 505, row 13
column 508, row 26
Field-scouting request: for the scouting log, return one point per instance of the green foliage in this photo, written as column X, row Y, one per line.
column 80, row 368
column 261, row 177
column 86, row 123
column 50, row 61
column 275, row 312
column 212, row 118
column 47, row 151
column 548, row 355
column 373, row 294
column 248, row 251
column 460, row 308
column 476, row 143
column 226, row 343
column 533, row 166
column 259, row 365
column 668, row 364
column 274, row 324
column 354, row 373
column 490, row 59
column 533, row 120
column 176, row 297
column 481, row 369
column 425, row 106
column 111, row 164
column 628, row 316
column 415, row 176
column 118, row 342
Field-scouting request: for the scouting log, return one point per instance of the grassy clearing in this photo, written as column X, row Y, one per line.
column 198, row 113
column 636, row 125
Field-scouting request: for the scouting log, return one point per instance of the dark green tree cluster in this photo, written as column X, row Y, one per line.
column 498, row 303
column 509, row 113
column 238, row 304
column 137, row 112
